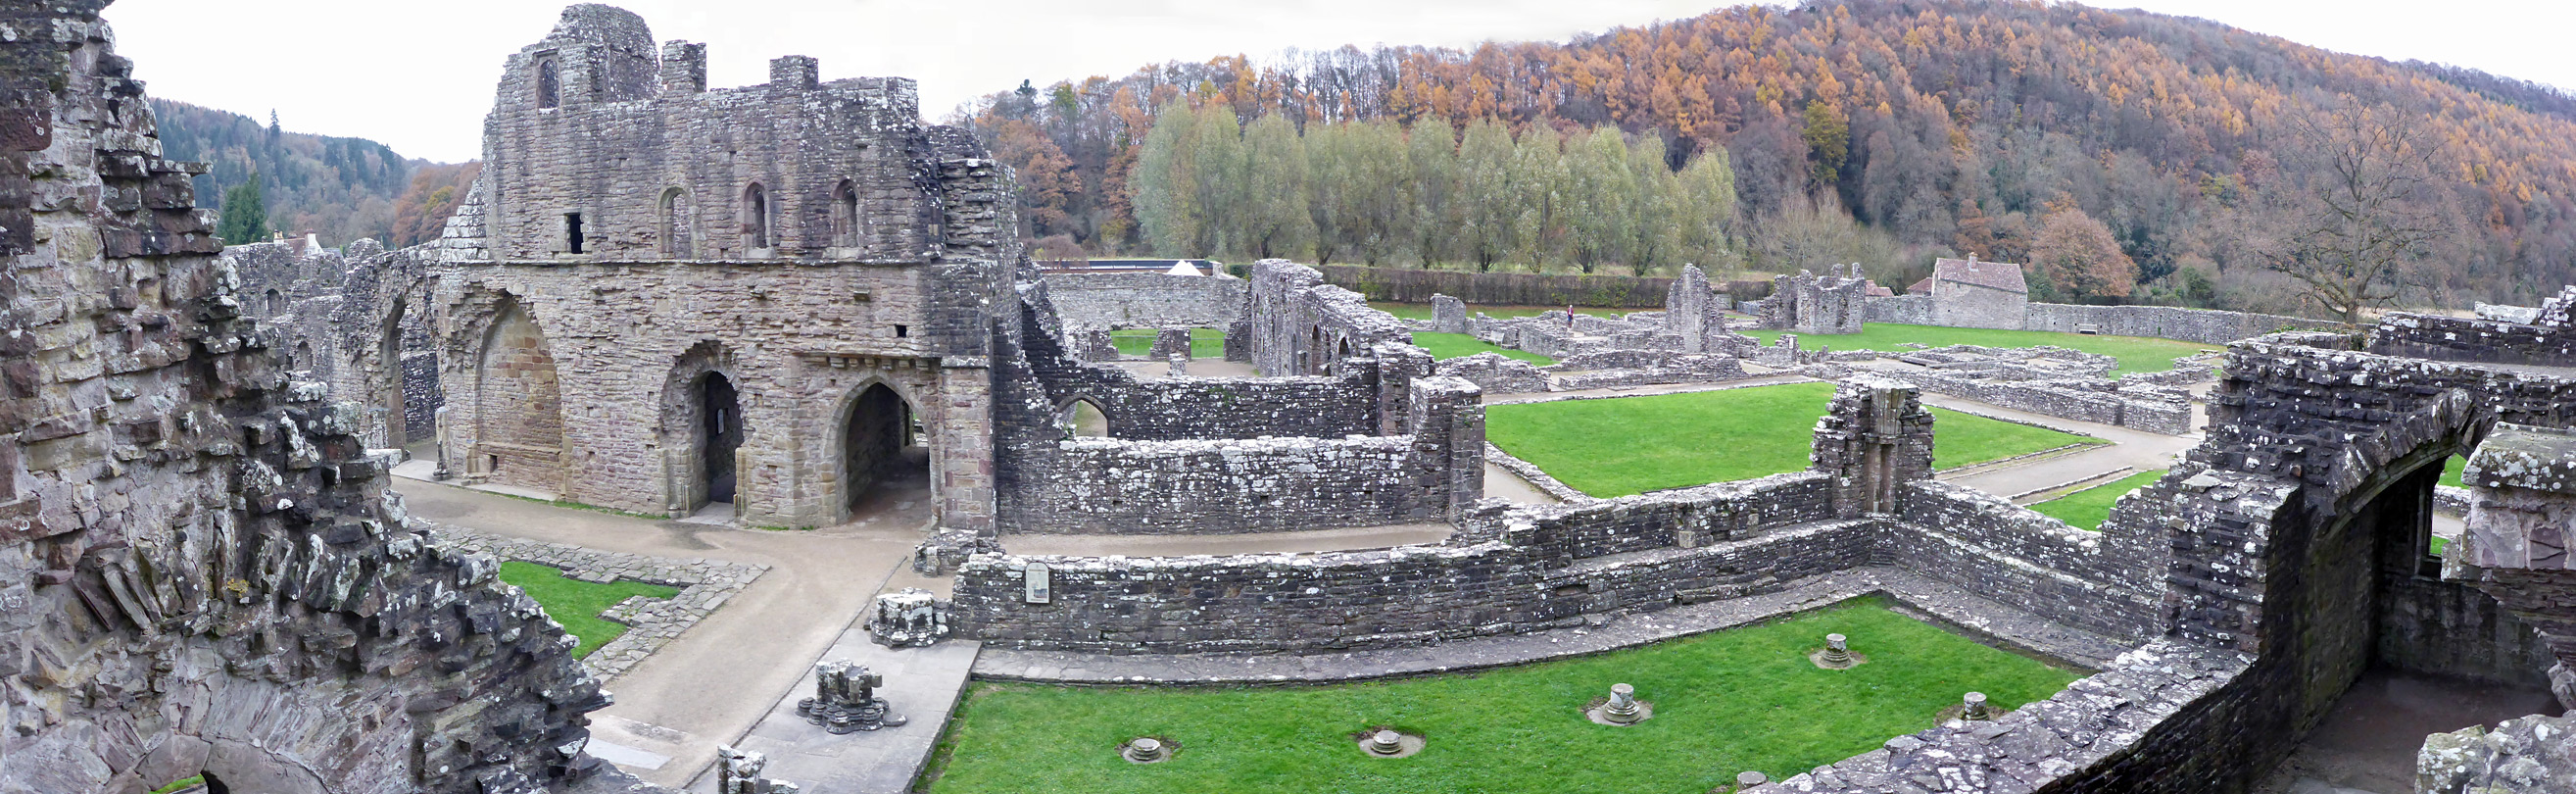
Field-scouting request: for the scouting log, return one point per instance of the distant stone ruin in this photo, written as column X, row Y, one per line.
column 1811, row 304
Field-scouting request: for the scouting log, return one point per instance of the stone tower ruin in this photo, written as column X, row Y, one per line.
column 661, row 296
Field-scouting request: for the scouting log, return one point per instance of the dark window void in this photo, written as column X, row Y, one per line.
column 903, row 330
column 572, row 232
column 845, row 215
column 675, row 223
column 723, row 415
column 549, row 84
column 755, row 217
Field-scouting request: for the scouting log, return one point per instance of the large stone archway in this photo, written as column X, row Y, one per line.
column 883, row 452
column 518, row 405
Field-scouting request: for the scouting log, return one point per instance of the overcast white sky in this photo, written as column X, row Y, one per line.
column 418, row 76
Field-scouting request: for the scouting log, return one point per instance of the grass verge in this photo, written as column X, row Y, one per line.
column 1204, row 342
column 1449, row 346
column 191, row 780
column 2136, row 353
column 1725, row 702
column 1631, row 445
column 2086, row 509
column 576, row 604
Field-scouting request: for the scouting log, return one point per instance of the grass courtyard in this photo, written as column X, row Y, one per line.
column 1631, row 445
column 1449, row 346
column 576, row 604
column 1204, row 342
column 2088, row 508
column 2136, row 353
column 1726, row 702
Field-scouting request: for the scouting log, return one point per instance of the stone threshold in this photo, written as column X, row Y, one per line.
column 1913, row 593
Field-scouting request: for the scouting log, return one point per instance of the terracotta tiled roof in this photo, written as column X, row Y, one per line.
column 1876, row 291
column 1923, row 287
column 2004, row 276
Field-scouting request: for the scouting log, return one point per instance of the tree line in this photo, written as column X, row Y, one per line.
column 1891, row 131
column 1379, row 193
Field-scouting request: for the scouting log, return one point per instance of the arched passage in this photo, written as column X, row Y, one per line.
column 518, row 404
column 884, row 458
column 1083, row 418
column 703, row 428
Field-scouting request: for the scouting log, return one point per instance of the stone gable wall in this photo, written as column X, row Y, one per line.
column 1146, row 300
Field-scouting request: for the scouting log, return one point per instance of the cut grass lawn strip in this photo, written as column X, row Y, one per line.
column 1204, row 342
column 1631, row 445
column 2088, row 508
column 576, row 604
column 1448, row 346
column 1724, row 702
column 2136, row 353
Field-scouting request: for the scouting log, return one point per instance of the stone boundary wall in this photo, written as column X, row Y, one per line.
column 2466, row 339
column 2106, row 581
column 2204, row 326
column 2064, row 400
column 1085, row 301
column 1406, row 285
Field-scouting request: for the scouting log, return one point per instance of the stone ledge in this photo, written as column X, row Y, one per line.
column 651, row 623
column 1914, row 594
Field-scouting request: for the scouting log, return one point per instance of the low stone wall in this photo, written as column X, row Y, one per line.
column 1114, row 486
column 1406, row 285
column 1145, row 300
column 2110, row 583
column 652, row 622
column 2063, row 399
column 2465, row 339
column 2205, row 326
column 1495, row 373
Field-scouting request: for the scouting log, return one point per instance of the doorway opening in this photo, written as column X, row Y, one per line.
column 723, row 411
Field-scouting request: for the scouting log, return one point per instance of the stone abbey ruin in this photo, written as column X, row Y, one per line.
column 795, row 302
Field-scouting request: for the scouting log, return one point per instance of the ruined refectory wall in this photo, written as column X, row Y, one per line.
column 201, row 570
column 1303, row 326
column 1086, row 301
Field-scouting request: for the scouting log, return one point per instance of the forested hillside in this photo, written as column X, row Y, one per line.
column 339, row 189
column 1888, row 131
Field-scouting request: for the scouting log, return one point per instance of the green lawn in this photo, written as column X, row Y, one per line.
column 2136, row 353
column 191, row 780
column 1745, row 699
column 1204, row 342
column 1631, row 445
column 575, row 603
column 2087, row 508
column 1422, row 311
column 1448, row 346
column 2451, row 470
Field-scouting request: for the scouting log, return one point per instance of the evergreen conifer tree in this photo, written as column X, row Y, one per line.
column 245, row 214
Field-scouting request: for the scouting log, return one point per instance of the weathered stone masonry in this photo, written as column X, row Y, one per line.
column 640, row 248
column 200, row 569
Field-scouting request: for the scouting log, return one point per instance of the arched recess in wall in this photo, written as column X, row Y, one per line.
column 388, row 378
column 272, row 303
column 2370, row 595
column 846, row 218
column 702, row 428
column 755, row 216
column 302, row 359
column 1082, row 418
column 885, row 453
column 518, row 402
column 549, row 79
column 672, row 237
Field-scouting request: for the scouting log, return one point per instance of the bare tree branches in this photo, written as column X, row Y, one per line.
column 2357, row 231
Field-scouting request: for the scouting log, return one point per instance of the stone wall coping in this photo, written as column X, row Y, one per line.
column 1941, row 601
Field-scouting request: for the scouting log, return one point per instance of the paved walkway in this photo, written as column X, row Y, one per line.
column 709, row 686
column 921, row 684
column 1942, row 600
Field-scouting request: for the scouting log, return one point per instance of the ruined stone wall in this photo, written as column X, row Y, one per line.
column 360, row 322
column 1495, row 373
column 2110, row 581
column 1506, row 573
column 1303, row 326
column 1970, row 306
column 2465, row 339
column 661, row 169
column 1203, row 408
column 201, row 569
column 621, row 337
column 1146, row 300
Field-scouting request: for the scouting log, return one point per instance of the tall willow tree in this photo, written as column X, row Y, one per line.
column 1603, row 212
column 1706, row 189
column 1274, row 219
column 1432, row 155
column 1538, row 178
column 1488, row 203
column 1165, row 181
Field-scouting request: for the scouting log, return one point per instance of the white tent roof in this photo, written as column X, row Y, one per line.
column 1181, row 268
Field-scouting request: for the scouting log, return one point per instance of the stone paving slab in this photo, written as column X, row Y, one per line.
column 1938, row 600
column 922, row 684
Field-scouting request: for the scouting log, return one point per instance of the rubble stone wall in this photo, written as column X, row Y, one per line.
column 2205, row 326
column 1146, row 300
column 1303, row 326
column 201, row 569
column 2466, row 339
column 2109, row 581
